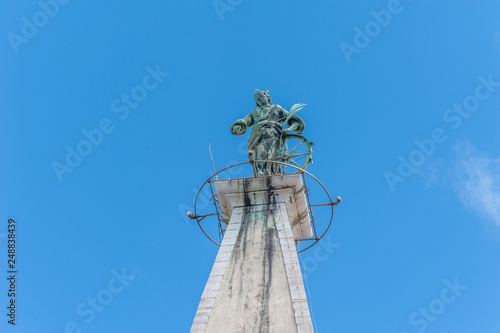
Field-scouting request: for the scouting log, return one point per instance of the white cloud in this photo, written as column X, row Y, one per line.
column 433, row 174
column 478, row 181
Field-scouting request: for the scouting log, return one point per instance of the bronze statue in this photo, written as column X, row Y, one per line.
column 269, row 135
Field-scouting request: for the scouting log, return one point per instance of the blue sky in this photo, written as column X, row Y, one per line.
column 402, row 104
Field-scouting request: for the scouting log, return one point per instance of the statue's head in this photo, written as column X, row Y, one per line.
column 262, row 98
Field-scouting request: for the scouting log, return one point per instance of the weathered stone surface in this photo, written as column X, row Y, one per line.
column 256, row 283
column 254, row 295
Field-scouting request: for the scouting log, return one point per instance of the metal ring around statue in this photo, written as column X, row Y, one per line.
column 199, row 218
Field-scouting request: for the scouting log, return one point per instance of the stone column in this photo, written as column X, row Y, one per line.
column 256, row 282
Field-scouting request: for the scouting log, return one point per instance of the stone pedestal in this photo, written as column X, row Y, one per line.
column 256, row 282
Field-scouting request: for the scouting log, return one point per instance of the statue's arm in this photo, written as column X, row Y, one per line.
column 249, row 119
column 239, row 127
column 293, row 127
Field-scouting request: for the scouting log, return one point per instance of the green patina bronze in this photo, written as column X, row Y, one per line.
column 270, row 138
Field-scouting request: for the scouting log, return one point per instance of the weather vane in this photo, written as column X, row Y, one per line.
column 270, row 139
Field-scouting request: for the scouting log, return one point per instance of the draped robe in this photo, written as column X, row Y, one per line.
column 265, row 138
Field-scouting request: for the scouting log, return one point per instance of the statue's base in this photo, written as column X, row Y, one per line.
column 287, row 188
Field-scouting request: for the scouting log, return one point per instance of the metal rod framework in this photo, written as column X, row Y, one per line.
column 200, row 217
